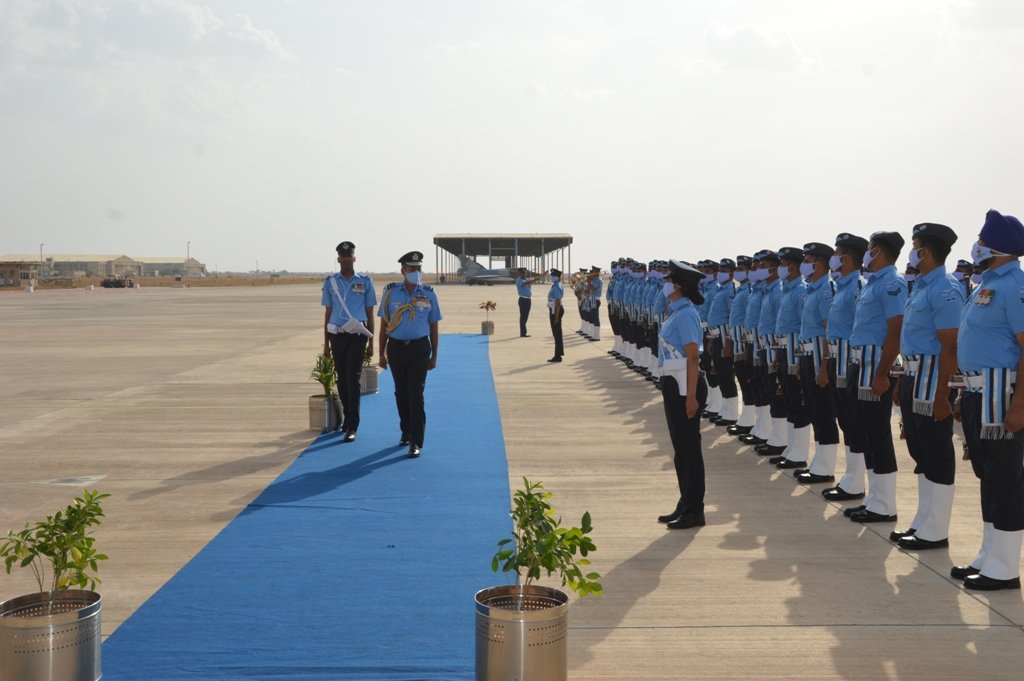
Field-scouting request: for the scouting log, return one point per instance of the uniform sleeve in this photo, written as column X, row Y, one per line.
column 435, row 309
column 325, row 298
column 370, row 298
column 825, row 302
column 380, row 310
column 894, row 299
column 1015, row 309
column 946, row 305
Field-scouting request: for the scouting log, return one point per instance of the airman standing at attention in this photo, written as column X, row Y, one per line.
column 990, row 354
column 756, row 345
column 787, row 329
column 525, row 293
column 555, row 313
column 963, row 272
column 718, row 332
column 737, row 348
column 593, row 292
column 348, row 299
column 708, row 289
column 774, row 357
column 409, row 313
column 928, row 346
column 876, row 343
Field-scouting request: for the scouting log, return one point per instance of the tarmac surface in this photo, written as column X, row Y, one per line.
column 185, row 403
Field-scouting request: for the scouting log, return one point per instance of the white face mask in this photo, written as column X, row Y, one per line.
column 740, row 275
column 708, row 278
column 806, row 269
column 981, row 253
column 555, row 280
column 783, row 271
column 976, row 278
column 835, row 262
column 867, row 259
column 723, row 277
column 915, row 257
column 668, row 288
column 413, row 277
column 758, row 275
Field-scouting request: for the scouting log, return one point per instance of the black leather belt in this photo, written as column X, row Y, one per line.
column 406, row 342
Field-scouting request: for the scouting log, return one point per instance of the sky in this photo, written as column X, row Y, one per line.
column 265, row 132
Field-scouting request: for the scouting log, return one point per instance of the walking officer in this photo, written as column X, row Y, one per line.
column 928, row 347
column 990, row 342
column 556, row 312
column 525, row 294
column 876, row 343
column 409, row 314
column 348, row 299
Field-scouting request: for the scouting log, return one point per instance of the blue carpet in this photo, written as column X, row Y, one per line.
column 356, row 563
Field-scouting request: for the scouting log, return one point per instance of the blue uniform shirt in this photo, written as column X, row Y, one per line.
column 721, row 304
column 357, row 292
column 754, row 303
column 555, row 293
column 738, row 313
column 935, row 303
column 816, row 308
column 883, row 297
column 416, row 310
column 597, row 285
column 769, row 318
column 708, row 291
column 680, row 329
column 992, row 318
column 791, row 305
column 844, row 306
column 522, row 289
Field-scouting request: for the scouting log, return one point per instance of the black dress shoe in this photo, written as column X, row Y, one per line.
column 896, row 535
column 724, row 422
column 414, row 451
column 349, row 437
column 982, row 583
column 751, row 439
column 809, row 478
column 914, row 543
column 404, row 442
column 555, row 359
column 867, row 516
column 776, row 460
column 854, row 509
column 710, row 415
column 768, row 450
column 739, row 430
column 837, row 493
column 963, row 571
column 524, row 335
column 787, row 464
column 685, row 521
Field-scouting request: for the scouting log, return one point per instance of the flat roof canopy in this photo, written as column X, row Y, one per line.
column 498, row 244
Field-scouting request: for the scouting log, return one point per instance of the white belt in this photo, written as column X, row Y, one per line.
column 704, row 326
column 807, row 347
column 910, row 366
column 979, row 380
column 714, row 333
column 782, row 342
column 856, row 355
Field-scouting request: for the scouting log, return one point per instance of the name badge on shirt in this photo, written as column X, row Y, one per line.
column 421, row 302
column 358, row 288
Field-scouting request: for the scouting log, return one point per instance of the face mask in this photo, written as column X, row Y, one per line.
column 637, row 275
column 909, row 277
column 976, row 278
column 806, row 269
column 915, row 257
column 413, row 277
column 668, row 288
column 981, row 253
column 959, row 276
column 723, row 277
column 783, row 271
column 740, row 276
column 867, row 259
column 758, row 275
column 835, row 262
column 555, row 280
column 707, row 279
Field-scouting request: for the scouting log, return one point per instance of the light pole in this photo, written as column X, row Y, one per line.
column 41, row 258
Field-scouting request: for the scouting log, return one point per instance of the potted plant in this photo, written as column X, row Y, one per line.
column 487, row 326
column 324, row 408
column 56, row 632
column 368, row 379
column 522, row 628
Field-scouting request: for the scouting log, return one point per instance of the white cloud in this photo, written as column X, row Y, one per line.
column 447, row 51
column 752, row 48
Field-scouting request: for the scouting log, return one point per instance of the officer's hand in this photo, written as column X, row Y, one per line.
column 691, row 406
column 433, row 363
column 1014, row 421
column 822, row 378
column 880, row 385
column 383, row 363
column 327, row 350
column 369, row 351
column 941, row 410
column 956, row 409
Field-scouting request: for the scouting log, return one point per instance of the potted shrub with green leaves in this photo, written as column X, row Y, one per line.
column 368, row 379
column 324, row 408
column 522, row 629
column 487, row 326
column 55, row 633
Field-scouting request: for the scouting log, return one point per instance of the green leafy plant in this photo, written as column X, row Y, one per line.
column 368, row 355
column 60, row 547
column 540, row 543
column 323, row 373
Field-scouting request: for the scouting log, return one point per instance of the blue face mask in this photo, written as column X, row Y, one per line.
column 806, row 269
column 668, row 288
column 740, row 275
column 723, row 277
column 413, row 277
column 783, row 271
column 555, row 280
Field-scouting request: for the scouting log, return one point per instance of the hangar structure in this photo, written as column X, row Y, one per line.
column 493, row 256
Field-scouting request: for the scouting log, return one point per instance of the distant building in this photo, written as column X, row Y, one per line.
column 19, row 269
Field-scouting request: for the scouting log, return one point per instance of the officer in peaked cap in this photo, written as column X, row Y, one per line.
column 523, row 285
column 348, row 299
column 787, row 330
column 718, row 332
column 737, row 348
column 592, row 330
column 555, row 312
column 755, row 345
column 928, row 346
column 962, row 273
column 410, row 313
column 684, row 391
column 875, row 342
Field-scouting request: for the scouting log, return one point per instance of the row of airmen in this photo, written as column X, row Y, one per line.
column 821, row 340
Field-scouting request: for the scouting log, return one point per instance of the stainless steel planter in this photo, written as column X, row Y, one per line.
column 324, row 413
column 487, row 328
column 368, row 380
column 521, row 634
column 40, row 642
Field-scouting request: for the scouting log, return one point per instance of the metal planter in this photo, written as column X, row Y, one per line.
column 324, row 412
column 368, row 380
column 522, row 634
column 487, row 328
column 40, row 642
